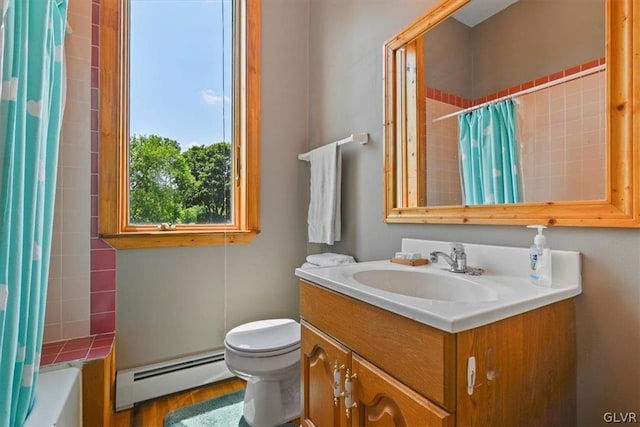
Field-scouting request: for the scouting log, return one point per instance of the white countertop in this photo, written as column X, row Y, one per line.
column 513, row 294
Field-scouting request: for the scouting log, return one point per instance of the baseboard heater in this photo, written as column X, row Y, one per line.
column 151, row 381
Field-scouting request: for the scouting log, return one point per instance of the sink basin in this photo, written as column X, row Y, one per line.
column 448, row 301
column 428, row 285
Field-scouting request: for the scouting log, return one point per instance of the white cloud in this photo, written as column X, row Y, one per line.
column 27, row 375
column 37, row 252
column 58, row 53
column 34, row 108
column 4, row 296
column 210, row 97
column 9, row 90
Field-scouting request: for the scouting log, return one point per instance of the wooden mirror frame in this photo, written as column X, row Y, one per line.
column 404, row 146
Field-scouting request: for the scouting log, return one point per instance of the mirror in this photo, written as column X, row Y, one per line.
column 562, row 149
column 556, row 79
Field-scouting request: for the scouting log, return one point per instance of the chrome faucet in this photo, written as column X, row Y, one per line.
column 457, row 260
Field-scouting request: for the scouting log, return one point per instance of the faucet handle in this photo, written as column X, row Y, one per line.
column 459, row 257
column 457, row 248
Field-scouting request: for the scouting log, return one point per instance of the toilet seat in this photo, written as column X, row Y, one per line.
column 264, row 338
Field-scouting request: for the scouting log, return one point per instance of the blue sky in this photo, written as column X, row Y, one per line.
column 176, row 70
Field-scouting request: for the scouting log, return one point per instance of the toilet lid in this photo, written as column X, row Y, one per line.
column 264, row 336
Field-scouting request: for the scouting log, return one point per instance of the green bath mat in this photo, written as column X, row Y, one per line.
column 223, row 411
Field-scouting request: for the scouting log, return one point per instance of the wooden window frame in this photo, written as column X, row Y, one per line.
column 113, row 193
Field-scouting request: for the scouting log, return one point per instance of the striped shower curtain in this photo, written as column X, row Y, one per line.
column 31, row 106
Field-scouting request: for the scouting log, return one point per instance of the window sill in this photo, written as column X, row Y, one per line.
column 170, row 239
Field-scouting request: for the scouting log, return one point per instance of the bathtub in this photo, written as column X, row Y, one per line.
column 58, row 399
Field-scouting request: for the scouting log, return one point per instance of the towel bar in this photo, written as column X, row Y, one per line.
column 362, row 138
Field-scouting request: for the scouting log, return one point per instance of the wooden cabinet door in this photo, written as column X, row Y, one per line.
column 525, row 370
column 320, row 356
column 380, row 400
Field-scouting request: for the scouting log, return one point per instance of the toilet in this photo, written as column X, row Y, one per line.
column 266, row 354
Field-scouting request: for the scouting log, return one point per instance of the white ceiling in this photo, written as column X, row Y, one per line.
column 479, row 10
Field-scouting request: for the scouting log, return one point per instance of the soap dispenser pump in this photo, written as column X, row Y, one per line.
column 540, row 259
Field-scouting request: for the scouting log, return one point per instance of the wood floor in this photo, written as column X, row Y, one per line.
column 151, row 414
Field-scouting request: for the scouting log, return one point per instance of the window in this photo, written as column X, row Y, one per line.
column 160, row 184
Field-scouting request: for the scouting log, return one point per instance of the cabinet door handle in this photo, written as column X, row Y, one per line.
column 348, row 392
column 471, row 374
column 337, row 367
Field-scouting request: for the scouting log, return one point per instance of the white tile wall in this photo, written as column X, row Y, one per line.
column 68, row 303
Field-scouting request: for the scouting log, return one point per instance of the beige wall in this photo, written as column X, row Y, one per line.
column 345, row 75
column 173, row 302
column 67, row 312
column 448, row 58
column 502, row 51
column 506, row 52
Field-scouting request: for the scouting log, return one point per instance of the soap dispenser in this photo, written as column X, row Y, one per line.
column 540, row 259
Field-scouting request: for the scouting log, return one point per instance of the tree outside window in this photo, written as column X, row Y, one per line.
column 168, row 185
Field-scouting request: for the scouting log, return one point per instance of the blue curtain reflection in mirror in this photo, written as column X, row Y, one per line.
column 488, row 155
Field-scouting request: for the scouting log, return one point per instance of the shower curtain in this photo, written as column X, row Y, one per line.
column 488, row 159
column 31, row 107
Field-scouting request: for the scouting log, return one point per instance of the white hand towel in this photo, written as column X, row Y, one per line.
column 328, row 259
column 308, row 265
column 324, row 203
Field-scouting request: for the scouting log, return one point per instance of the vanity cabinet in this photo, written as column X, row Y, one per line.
column 379, row 399
column 516, row 371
